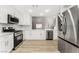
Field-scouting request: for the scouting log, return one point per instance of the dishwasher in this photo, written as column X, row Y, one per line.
column 49, row 35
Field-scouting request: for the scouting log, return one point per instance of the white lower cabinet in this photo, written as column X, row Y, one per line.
column 35, row 35
column 2, row 45
column 6, row 43
column 9, row 43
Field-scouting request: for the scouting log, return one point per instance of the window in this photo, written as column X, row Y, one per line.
column 38, row 26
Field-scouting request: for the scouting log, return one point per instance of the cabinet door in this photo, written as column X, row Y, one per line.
column 27, row 35
column 4, row 10
column 6, row 43
column 5, row 38
column 10, row 43
column 2, row 45
column 43, row 35
column 31, row 35
column 38, row 35
column 25, row 20
column 35, row 35
column 3, row 15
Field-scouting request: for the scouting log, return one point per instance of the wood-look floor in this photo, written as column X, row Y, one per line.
column 37, row 46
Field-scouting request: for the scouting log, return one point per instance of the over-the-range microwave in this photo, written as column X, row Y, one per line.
column 12, row 20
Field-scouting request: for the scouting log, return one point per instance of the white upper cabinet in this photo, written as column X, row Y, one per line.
column 25, row 20
column 4, row 11
column 3, row 14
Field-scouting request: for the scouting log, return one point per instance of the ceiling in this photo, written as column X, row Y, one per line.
column 39, row 10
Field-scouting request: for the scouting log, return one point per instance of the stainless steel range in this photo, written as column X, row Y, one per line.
column 18, row 38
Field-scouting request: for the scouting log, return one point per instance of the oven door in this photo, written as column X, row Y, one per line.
column 19, row 37
column 17, row 40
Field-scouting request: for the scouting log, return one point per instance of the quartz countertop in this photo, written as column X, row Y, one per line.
column 49, row 29
column 5, row 33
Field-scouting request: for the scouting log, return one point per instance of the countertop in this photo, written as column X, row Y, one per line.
column 49, row 29
column 5, row 33
column 41, row 29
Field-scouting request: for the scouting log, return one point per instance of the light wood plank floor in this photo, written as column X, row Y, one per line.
column 37, row 46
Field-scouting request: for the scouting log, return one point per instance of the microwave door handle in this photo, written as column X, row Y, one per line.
column 11, row 22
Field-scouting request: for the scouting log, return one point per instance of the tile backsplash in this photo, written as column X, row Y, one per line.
column 17, row 27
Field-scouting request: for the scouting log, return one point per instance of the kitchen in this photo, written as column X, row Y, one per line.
column 22, row 26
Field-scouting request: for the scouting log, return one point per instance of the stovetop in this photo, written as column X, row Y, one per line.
column 12, row 31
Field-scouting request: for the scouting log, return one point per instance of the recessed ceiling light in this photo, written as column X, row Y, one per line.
column 41, row 14
column 47, row 10
column 30, row 10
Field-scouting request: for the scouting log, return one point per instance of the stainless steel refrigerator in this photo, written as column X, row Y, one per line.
column 68, row 26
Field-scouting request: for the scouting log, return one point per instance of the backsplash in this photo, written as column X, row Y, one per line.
column 16, row 27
